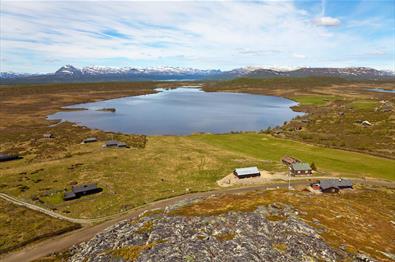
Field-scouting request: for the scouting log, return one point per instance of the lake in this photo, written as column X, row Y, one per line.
column 183, row 111
column 382, row 90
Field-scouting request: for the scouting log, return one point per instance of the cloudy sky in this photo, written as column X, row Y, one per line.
column 41, row 36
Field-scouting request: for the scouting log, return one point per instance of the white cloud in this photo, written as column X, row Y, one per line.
column 206, row 34
column 327, row 21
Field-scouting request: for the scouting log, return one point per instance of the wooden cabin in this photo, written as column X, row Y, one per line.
column 81, row 190
column 334, row 185
column 300, row 169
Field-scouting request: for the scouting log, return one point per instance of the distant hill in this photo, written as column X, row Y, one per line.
column 69, row 73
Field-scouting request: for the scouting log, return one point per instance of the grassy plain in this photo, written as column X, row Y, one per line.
column 342, row 218
column 20, row 226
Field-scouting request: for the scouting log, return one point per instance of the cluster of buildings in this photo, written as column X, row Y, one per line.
column 299, row 168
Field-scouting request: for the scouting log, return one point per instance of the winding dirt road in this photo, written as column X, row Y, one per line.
column 62, row 242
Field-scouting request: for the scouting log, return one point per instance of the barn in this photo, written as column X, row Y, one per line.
column 246, row 172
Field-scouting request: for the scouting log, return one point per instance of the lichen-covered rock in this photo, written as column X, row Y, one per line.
column 272, row 233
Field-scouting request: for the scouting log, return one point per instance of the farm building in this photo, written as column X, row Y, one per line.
column 81, row 190
column 287, row 160
column 300, row 169
column 89, row 140
column 334, row 185
column 246, row 172
column 8, row 157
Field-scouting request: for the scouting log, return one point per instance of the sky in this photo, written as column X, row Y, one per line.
column 41, row 36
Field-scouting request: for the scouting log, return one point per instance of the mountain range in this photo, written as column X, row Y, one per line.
column 69, row 73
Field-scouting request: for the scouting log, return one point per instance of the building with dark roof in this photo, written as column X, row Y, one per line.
column 9, row 157
column 334, row 185
column 115, row 143
column 246, row 172
column 81, row 190
column 89, row 140
column 300, row 169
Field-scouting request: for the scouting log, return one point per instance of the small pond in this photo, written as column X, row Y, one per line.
column 183, row 111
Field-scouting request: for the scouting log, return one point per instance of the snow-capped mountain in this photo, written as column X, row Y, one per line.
column 11, row 75
column 69, row 73
column 69, row 70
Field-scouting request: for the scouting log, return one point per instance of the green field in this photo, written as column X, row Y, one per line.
column 326, row 159
column 317, row 100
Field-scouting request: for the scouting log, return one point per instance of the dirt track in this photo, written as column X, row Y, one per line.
column 65, row 241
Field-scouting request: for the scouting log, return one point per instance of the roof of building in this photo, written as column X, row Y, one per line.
column 90, row 139
column 112, row 143
column 5, row 157
column 122, row 144
column 300, row 166
column 337, row 183
column 69, row 195
column 245, row 171
column 83, row 188
column 290, row 159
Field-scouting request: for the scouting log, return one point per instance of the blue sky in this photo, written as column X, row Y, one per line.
column 41, row 36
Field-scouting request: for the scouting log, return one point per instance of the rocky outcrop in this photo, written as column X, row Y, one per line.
column 270, row 233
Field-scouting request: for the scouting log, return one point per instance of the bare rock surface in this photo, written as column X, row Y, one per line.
column 270, row 233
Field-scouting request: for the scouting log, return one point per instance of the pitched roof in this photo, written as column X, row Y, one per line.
column 6, row 157
column 300, row 166
column 246, row 171
column 69, row 195
column 290, row 159
column 90, row 139
column 337, row 183
column 83, row 188
column 112, row 143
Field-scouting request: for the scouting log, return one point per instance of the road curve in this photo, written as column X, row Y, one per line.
column 62, row 242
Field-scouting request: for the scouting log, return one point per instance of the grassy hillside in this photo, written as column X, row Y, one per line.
column 20, row 226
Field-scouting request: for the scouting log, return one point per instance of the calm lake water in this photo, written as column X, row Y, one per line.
column 381, row 90
column 183, row 111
